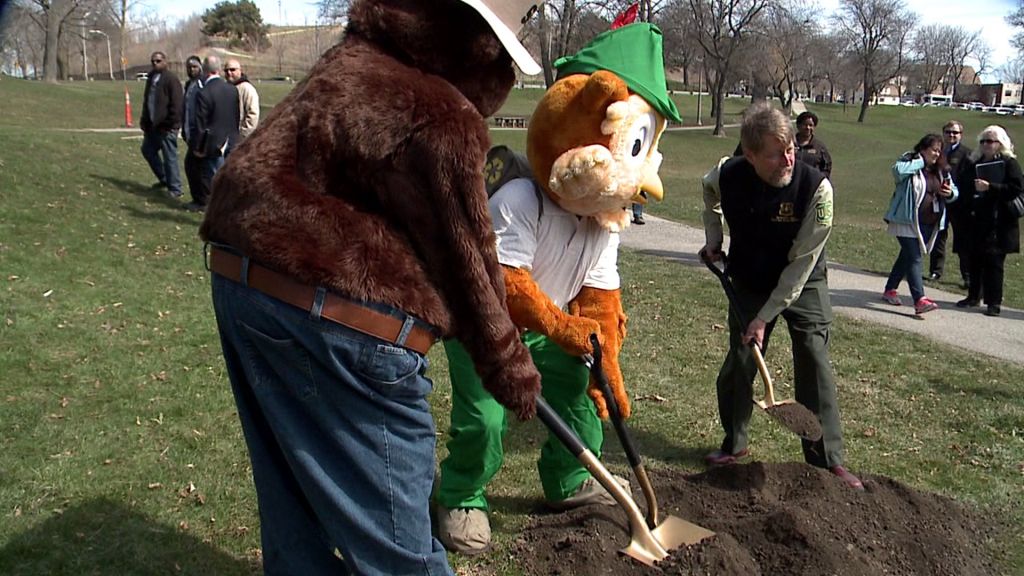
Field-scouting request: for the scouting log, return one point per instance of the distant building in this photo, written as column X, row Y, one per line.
column 999, row 94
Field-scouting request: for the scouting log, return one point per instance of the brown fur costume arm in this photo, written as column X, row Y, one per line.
column 530, row 308
column 605, row 306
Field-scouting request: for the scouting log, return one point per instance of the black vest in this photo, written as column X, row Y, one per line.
column 763, row 222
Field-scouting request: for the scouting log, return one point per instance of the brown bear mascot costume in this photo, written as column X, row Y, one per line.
column 346, row 235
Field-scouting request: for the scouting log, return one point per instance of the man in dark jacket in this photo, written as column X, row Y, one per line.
column 779, row 212
column 193, row 164
column 216, row 125
column 956, row 156
column 161, row 119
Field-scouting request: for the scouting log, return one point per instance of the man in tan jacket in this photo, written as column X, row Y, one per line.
column 248, row 99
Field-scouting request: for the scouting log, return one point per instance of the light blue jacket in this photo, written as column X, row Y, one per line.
column 908, row 172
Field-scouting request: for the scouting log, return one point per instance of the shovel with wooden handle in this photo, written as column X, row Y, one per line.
column 673, row 529
column 646, row 545
column 793, row 415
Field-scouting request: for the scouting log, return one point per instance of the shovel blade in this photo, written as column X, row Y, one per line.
column 653, row 546
column 796, row 418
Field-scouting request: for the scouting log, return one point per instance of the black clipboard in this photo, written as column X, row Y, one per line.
column 992, row 172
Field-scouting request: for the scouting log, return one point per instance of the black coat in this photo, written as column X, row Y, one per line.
column 169, row 104
column 216, row 118
column 993, row 229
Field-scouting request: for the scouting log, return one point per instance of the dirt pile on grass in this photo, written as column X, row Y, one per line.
column 774, row 519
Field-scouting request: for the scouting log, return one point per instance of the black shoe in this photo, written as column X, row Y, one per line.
column 993, row 310
column 194, row 207
column 967, row 303
column 639, row 221
column 935, row 276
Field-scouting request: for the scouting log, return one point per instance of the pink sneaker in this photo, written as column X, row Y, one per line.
column 924, row 305
column 892, row 297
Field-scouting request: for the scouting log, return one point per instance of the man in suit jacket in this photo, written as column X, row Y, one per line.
column 956, row 155
column 216, row 124
column 162, row 109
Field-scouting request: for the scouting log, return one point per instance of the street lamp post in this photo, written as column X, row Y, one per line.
column 110, row 61
column 700, row 74
column 85, row 59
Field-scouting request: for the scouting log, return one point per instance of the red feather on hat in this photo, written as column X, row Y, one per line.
column 628, row 16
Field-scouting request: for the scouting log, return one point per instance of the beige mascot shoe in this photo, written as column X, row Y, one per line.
column 464, row 530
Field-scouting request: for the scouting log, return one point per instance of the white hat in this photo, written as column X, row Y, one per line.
column 506, row 18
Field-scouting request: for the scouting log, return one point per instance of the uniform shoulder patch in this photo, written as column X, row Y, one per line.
column 823, row 213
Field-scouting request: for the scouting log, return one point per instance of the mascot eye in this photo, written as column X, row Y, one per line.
column 638, row 139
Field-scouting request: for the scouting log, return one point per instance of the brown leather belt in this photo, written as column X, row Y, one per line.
column 335, row 308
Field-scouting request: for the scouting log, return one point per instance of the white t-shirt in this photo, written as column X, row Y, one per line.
column 562, row 251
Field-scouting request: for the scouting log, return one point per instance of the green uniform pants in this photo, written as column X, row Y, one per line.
column 808, row 319
column 478, row 424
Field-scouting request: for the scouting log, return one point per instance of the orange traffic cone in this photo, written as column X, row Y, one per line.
column 127, row 108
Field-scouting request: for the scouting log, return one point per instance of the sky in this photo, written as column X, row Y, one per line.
column 985, row 15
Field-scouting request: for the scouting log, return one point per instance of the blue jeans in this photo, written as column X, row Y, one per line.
column 909, row 265
column 340, row 437
column 638, row 210
column 157, row 143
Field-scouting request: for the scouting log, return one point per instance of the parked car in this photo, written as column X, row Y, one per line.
column 142, row 76
column 975, row 106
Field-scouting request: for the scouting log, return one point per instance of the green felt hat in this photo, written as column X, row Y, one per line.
column 633, row 53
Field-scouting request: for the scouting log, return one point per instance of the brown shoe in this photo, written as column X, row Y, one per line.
column 590, row 492
column 851, row 480
column 464, row 530
column 719, row 458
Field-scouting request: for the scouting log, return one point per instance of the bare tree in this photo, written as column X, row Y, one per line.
column 721, row 26
column 929, row 47
column 333, row 11
column 680, row 44
column 983, row 56
column 876, row 32
column 960, row 45
column 784, row 48
column 1016, row 19
column 1012, row 71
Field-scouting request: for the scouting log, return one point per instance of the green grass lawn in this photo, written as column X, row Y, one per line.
column 120, row 450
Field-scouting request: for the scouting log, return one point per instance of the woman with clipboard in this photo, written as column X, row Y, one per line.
column 995, row 231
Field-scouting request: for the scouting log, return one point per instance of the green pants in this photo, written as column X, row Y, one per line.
column 478, row 424
column 808, row 319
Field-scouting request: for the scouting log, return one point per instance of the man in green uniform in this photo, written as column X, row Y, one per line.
column 780, row 216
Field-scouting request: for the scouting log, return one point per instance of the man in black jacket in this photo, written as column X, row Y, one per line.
column 779, row 212
column 161, row 119
column 216, row 125
column 956, row 156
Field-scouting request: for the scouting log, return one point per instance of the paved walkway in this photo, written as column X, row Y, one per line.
column 857, row 294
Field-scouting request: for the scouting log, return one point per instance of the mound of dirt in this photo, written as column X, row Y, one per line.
column 773, row 519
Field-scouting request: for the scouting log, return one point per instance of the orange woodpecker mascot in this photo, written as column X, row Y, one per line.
column 593, row 149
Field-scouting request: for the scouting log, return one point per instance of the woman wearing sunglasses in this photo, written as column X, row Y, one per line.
column 916, row 214
column 995, row 231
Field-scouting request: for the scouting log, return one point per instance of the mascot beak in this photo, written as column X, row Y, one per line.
column 651, row 187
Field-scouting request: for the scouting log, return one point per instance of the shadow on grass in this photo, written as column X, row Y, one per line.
column 104, row 537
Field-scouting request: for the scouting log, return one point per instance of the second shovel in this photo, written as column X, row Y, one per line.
column 793, row 415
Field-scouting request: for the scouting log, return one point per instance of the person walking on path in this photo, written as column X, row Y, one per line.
column 248, row 98
column 780, row 214
column 995, row 231
column 916, row 213
column 162, row 110
column 216, row 126
column 956, row 154
column 197, row 186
